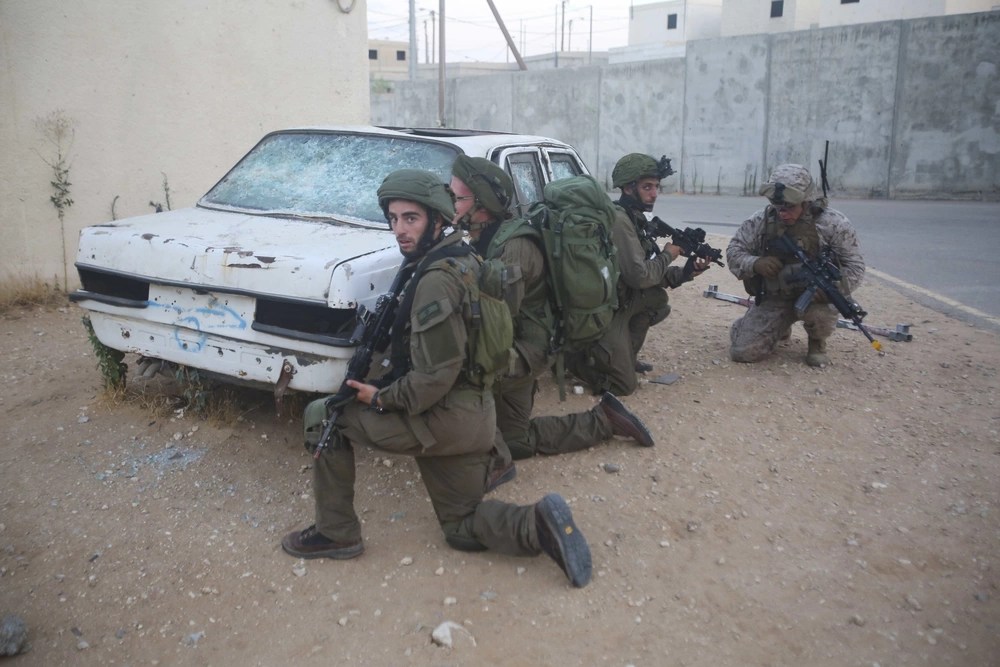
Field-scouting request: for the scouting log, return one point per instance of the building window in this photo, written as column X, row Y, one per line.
column 372, row 54
column 777, row 8
column 400, row 55
column 671, row 21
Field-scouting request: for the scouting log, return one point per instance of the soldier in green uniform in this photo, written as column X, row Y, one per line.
column 428, row 408
column 798, row 210
column 645, row 273
column 483, row 193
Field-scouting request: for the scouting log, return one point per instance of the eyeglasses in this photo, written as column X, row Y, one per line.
column 473, row 197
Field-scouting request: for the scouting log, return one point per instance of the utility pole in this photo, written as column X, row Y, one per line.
column 506, row 35
column 412, row 57
column 590, row 39
column 570, row 42
column 433, row 35
column 555, row 39
column 441, row 67
column 427, row 49
column 562, row 41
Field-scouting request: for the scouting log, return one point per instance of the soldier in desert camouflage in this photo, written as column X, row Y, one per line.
column 798, row 210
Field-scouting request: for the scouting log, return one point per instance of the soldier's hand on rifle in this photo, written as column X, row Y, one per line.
column 768, row 267
column 694, row 267
column 365, row 391
column 674, row 250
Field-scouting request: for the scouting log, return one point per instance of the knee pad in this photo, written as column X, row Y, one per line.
column 519, row 450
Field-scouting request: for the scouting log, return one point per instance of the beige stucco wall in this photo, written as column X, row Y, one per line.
column 147, row 89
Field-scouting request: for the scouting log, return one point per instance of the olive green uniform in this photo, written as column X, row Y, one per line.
column 518, row 435
column 435, row 415
column 609, row 365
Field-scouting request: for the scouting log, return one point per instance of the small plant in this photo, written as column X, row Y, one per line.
column 158, row 206
column 109, row 361
column 58, row 130
column 749, row 182
column 195, row 389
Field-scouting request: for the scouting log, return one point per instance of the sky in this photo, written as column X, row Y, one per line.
column 472, row 34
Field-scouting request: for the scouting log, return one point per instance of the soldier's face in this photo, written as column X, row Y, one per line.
column 646, row 190
column 789, row 214
column 465, row 201
column 409, row 221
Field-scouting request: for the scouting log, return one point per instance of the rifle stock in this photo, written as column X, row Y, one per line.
column 371, row 334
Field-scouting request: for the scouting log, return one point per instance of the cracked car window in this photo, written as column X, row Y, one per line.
column 323, row 174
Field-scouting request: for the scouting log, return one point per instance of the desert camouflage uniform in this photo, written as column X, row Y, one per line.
column 518, row 435
column 435, row 415
column 609, row 365
column 755, row 335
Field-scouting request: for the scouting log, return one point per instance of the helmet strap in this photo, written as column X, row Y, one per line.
column 629, row 200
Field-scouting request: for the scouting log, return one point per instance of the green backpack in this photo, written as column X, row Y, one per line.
column 574, row 221
column 572, row 226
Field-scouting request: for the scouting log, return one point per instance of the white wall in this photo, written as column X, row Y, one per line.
column 146, row 89
column 751, row 17
column 696, row 19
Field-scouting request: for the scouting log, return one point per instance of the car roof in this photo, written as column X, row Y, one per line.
column 472, row 142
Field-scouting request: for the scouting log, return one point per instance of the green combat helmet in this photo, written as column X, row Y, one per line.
column 489, row 183
column 634, row 166
column 420, row 186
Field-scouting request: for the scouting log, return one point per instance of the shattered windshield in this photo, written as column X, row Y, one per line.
column 324, row 174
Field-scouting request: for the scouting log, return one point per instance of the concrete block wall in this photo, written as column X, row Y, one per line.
column 909, row 108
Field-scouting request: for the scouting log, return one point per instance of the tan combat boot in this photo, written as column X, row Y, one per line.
column 816, row 356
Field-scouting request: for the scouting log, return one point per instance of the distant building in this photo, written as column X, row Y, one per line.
column 388, row 60
column 749, row 17
column 661, row 30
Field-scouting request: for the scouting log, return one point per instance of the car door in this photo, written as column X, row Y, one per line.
column 531, row 167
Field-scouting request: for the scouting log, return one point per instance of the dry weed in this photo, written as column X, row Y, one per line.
column 23, row 292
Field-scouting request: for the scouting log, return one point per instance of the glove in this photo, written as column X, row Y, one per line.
column 768, row 267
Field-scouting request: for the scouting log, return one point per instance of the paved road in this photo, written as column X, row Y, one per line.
column 943, row 254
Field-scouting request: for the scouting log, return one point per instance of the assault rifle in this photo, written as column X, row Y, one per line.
column 691, row 241
column 900, row 334
column 371, row 335
column 821, row 274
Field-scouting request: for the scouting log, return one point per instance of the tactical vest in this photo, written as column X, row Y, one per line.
column 805, row 235
column 638, row 220
column 486, row 316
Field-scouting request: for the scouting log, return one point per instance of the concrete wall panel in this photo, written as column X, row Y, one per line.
column 948, row 119
column 909, row 107
column 563, row 104
column 642, row 111
column 725, row 113
column 835, row 85
column 486, row 102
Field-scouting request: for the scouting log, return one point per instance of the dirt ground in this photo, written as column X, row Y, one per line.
column 787, row 516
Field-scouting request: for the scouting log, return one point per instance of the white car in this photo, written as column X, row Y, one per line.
column 260, row 281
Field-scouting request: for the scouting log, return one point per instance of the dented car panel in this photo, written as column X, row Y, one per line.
column 260, row 282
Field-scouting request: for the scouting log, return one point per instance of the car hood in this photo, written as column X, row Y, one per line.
column 237, row 252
